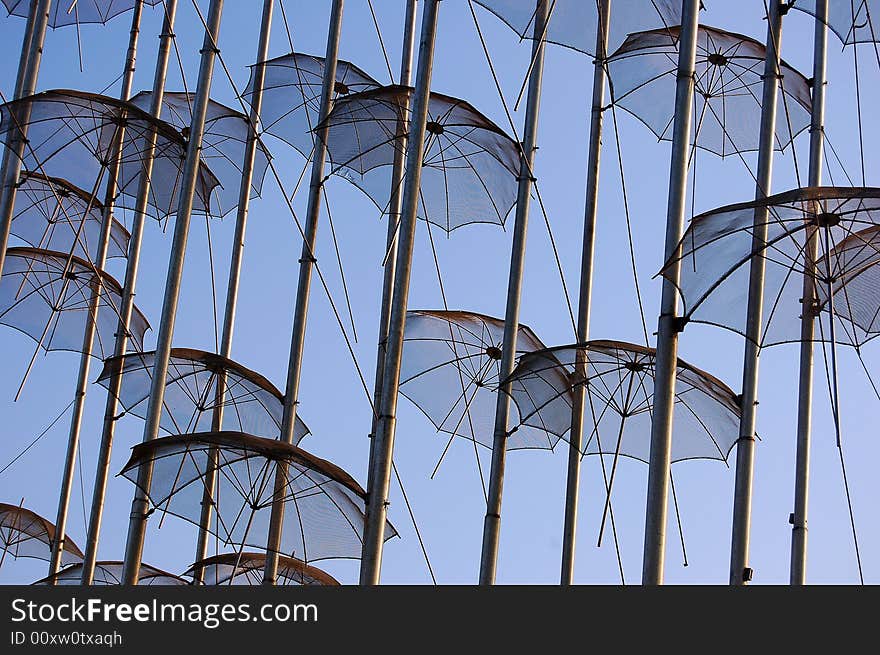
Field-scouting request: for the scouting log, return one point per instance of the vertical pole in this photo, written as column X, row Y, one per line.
column 740, row 574
column 380, row 477
column 492, row 521
column 306, row 267
column 25, row 84
column 127, row 302
column 586, row 295
column 666, row 361
column 138, row 520
column 85, row 362
column 244, row 199
column 798, row 573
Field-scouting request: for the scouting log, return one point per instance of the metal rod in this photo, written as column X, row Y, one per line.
column 740, row 574
column 140, row 506
column 492, row 521
column 306, row 267
column 26, row 41
column 126, row 309
column 666, row 361
column 576, row 435
column 380, row 478
column 100, row 261
column 798, row 571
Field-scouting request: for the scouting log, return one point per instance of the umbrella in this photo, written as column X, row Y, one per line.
column 72, row 12
column 247, row 569
column 853, row 21
column 110, row 573
column 24, row 533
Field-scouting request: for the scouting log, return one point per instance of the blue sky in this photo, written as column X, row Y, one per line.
column 474, row 262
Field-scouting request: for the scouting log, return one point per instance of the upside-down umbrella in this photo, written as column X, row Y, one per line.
column 727, row 93
column 469, row 169
column 52, row 214
column 110, row 573
column 223, row 144
column 78, row 12
column 250, row 403
column 716, row 251
column 450, row 368
column 853, row 21
column 292, row 95
column 24, row 533
column 247, row 569
column 47, row 295
column 324, row 506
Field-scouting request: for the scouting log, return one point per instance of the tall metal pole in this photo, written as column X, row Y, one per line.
column 798, row 573
column 380, row 477
column 492, row 521
column 25, row 85
column 138, row 520
column 127, row 302
column 85, row 362
column 740, row 574
column 244, row 199
column 666, row 361
column 586, row 294
column 306, row 267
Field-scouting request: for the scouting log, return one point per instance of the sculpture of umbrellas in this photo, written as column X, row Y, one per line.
column 450, row 369
column 292, row 95
column 24, row 533
column 727, row 88
column 47, row 295
column 78, row 12
column 223, row 144
column 250, row 402
column 324, row 506
column 110, row 573
column 52, row 214
column 716, row 251
column 853, row 21
column 470, row 166
column 247, row 569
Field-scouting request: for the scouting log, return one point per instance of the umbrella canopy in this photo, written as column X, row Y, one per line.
column 716, row 251
column 470, row 166
column 24, row 533
column 450, row 368
column 77, row 12
column 250, row 403
column 728, row 88
column 247, row 569
column 853, row 21
column 324, row 506
column 47, row 295
column 110, row 573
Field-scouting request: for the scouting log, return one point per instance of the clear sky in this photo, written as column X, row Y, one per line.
column 474, row 261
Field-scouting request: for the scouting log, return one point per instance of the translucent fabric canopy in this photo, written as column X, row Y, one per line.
column 716, row 252
column 292, row 95
column 619, row 390
column 70, row 134
column 470, row 166
column 247, row 569
column 110, row 573
column 46, row 295
column 53, row 214
column 324, row 506
column 196, row 381
column 223, row 144
column 573, row 23
column 450, row 369
column 728, row 92
column 853, row 21
column 73, row 12
column 24, row 533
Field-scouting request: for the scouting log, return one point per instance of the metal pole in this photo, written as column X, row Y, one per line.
column 306, row 266
column 798, row 574
column 139, row 507
column 666, row 361
column 85, row 361
column 740, row 574
column 127, row 302
column 25, row 84
column 244, row 199
column 586, row 294
column 492, row 521
column 380, row 477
